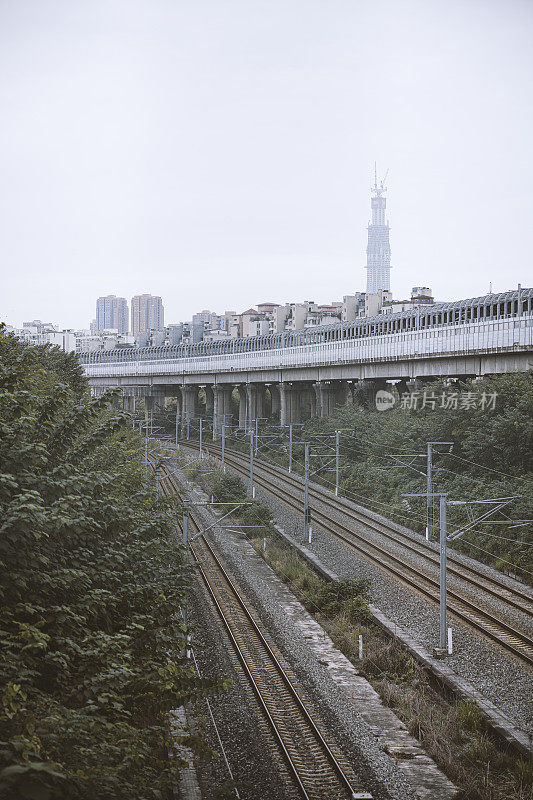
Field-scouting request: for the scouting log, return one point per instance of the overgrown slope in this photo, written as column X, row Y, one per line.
column 91, row 585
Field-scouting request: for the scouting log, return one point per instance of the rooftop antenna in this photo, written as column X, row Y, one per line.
column 375, row 176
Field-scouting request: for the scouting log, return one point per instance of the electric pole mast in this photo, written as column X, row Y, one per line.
column 307, row 513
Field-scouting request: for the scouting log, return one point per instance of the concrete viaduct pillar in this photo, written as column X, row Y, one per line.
column 209, row 400
column 217, row 411
column 242, row 405
column 222, row 407
column 255, row 402
column 189, row 402
column 373, row 387
column 324, row 398
column 328, row 395
column 289, row 403
column 275, row 399
column 313, row 402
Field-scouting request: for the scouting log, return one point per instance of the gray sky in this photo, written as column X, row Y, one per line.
column 220, row 152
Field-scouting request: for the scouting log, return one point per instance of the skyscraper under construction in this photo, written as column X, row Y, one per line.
column 378, row 248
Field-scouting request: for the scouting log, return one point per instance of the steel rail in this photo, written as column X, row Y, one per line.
column 517, row 642
column 307, row 779
column 511, row 595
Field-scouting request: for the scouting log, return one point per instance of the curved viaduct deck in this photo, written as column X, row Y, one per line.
column 320, row 374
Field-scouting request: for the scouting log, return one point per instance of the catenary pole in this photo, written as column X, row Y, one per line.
column 201, row 421
column 307, row 515
column 337, row 438
column 443, row 498
column 429, row 489
column 146, row 457
column 251, row 462
column 442, row 631
column 185, row 527
column 290, row 447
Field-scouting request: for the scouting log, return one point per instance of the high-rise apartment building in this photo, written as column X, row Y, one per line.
column 378, row 249
column 111, row 314
column 147, row 314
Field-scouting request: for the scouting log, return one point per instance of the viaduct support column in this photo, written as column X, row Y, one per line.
column 222, row 407
column 255, row 396
column 342, row 392
column 312, row 401
column 283, row 392
column 295, row 411
column 218, row 402
column 374, row 386
column 190, row 402
column 331, row 394
column 275, row 398
column 227, row 403
column 289, row 404
column 209, row 401
column 326, row 398
column 242, row 406
column 317, row 388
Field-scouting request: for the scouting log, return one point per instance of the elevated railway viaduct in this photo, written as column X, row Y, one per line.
column 309, row 372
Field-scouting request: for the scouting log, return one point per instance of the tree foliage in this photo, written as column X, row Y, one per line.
column 91, row 587
column 492, row 457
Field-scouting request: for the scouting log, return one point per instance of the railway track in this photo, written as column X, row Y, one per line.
column 497, row 629
column 315, row 768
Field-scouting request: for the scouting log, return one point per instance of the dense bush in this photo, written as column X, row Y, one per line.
column 492, row 457
column 91, row 585
column 227, row 488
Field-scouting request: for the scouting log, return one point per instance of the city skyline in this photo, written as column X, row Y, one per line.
column 233, row 159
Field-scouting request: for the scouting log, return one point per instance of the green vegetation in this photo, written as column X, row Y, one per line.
column 451, row 730
column 492, row 457
column 91, row 585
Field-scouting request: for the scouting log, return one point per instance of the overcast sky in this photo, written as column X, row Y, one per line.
column 220, row 153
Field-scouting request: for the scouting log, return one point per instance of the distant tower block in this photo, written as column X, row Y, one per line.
column 378, row 249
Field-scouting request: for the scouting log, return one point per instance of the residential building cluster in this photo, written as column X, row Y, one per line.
column 270, row 318
column 147, row 329
column 37, row 332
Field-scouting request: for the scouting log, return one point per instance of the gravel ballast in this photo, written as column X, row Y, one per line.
column 272, row 600
column 495, row 673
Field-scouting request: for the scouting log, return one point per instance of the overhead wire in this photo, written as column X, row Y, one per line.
column 490, row 469
column 409, row 515
column 495, row 555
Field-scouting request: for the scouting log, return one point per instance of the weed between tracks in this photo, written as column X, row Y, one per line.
column 452, row 731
